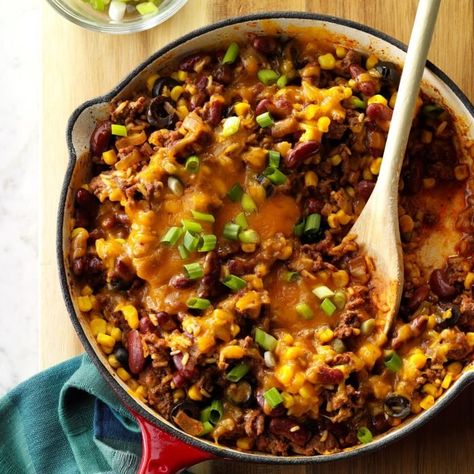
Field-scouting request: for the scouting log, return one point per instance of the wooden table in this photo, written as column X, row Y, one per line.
column 80, row 64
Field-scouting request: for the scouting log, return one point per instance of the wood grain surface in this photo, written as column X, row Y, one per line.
column 79, row 65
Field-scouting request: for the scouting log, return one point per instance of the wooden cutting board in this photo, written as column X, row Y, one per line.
column 79, row 64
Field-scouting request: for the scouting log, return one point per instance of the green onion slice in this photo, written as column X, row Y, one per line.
column 238, row 372
column 304, row 310
column 146, row 8
column 328, row 306
column 206, row 428
column 264, row 340
column 172, row 236
column 191, row 226
column 356, row 103
column 339, row 299
column 119, row 130
column 323, row 292
column 194, row 271
column 205, row 414
column 192, row 164
column 198, row 303
column 275, row 175
column 190, row 241
column 183, row 252
column 203, row 216
column 393, row 361
column 231, row 54
column 291, row 277
column 236, row 192
column 265, row 120
column 273, row 159
column 231, row 231
column 216, row 411
column 249, row 236
column 241, row 220
column 364, row 435
column 299, row 227
column 247, row 203
column 234, row 282
column 273, row 397
column 231, row 126
column 282, row 81
column 267, row 76
column 208, row 243
column 313, row 223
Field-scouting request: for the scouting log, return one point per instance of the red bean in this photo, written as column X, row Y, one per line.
column 265, row 44
column 209, row 285
column 280, row 108
column 368, row 88
column 214, row 114
column 379, row 112
column 100, row 138
column 263, row 106
column 201, row 83
column 290, row 430
column 223, row 74
column 375, row 142
column 300, row 153
column 187, row 371
column 313, row 205
column 145, row 325
column 418, row 296
column 365, row 188
column 86, row 200
column 180, row 282
column 440, row 286
column 355, row 70
column 136, row 359
column 188, row 63
column 165, row 321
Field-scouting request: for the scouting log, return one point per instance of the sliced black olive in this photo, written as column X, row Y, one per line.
column 190, row 408
column 389, row 72
column 448, row 319
column 238, row 393
column 161, row 113
column 397, row 406
column 121, row 354
column 161, row 83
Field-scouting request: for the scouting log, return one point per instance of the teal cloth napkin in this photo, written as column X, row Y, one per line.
column 67, row 420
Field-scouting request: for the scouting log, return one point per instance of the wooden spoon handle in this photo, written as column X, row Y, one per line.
column 407, row 93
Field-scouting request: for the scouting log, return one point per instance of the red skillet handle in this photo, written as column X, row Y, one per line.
column 164, row 454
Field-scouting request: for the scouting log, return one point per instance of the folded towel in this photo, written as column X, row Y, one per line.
column 67, row 420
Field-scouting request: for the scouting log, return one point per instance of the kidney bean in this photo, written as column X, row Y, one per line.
column 440, row 286
column 379, row 423
column 375, row 142
column 290, row 430
column 214, row 113
column 94, row 235
column 313, row 205
column 300, row 153
column 180, row 282
column 265, row 105
column 329, row 375
column 378, row 112
column 418, row 296
column 197, row 100
column 86, row 200
column 145, row 325
column 187, row 371
column 209, row 285
column 355, row 70
column 288, row 126
column 165, row 321
column 223, row 74
column 368, row 88
column 188, row 63
column 100, row 138
column 136, row 359
column 365, row 188
column 265, row 44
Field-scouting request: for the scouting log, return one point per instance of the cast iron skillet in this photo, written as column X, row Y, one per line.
column 165, row 447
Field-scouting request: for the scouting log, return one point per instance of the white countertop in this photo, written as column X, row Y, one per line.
column 19, row 190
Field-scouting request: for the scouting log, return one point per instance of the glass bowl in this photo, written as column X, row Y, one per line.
column 81, row 13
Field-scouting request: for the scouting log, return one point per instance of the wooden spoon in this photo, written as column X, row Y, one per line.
column 377, row 229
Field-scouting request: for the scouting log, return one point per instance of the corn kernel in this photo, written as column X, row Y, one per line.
column 426, row 136
column 194, row 393
column 84, row 303
column 132, row 383
column 429, row 183
column 178, row 394
column 336, row 159
column 232, row 352
column 418, row 360
column 332, row 221
column 352, row 83
column 375, row 166
column 293, row 353
column 311, row 179
column 105, row 340
column 310, row 133
column 141, row 393
column 130, row 314
column 461, row 172
column 431, row 321
column 430, row 389
column 340, row 278
column 113, row 361
column 98, row 325
column 367, row 174
column 469, row 280
column 298, row 380
column 427, row 402
column 341, row 52
column 406, row 223
column 116, row 333
column 377, row 99
column 326, row 335
column 150, row 82
column 369, row 353
column 455, row 368
column 371, row 62
column 327, row 61
column 307, row 391
column 123, row 374
column 350, row 190
column 447, row 381
column 323, row 124
column 288, row 400
column 182, row 111
column 248, row 248
column 285, row 373
column 392, row 100
column 342, row 217
column 109, row 157
column 86, row 291
column 287, row 338
column 470, row 338
column 244, row 443
column 241, row 108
